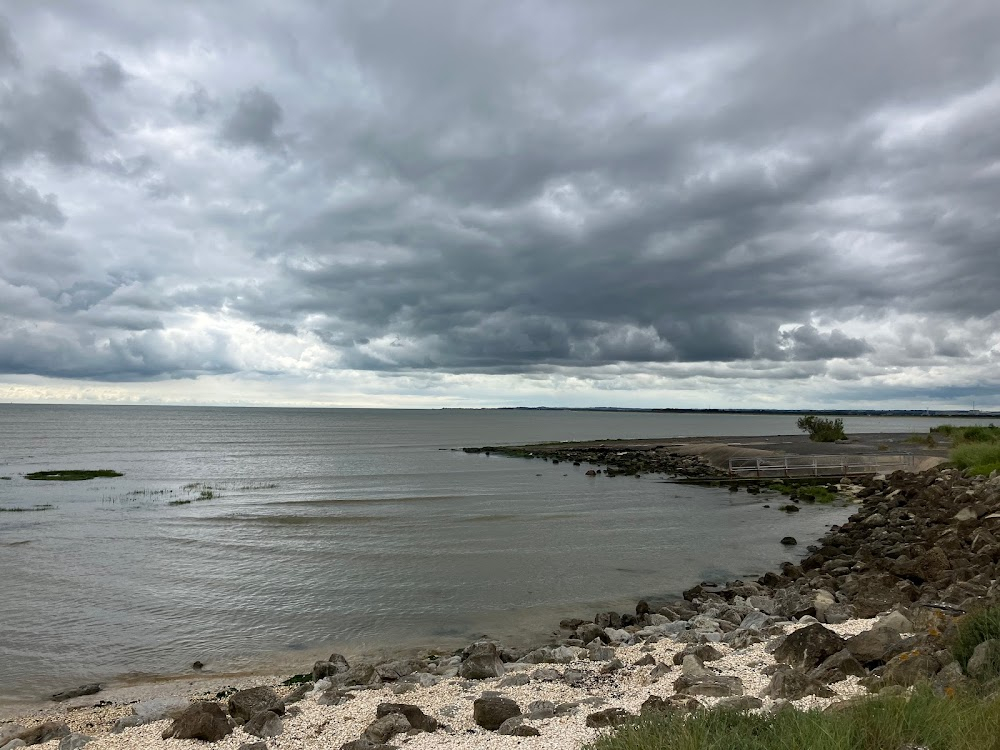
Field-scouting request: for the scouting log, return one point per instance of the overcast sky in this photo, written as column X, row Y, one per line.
column 637, row 203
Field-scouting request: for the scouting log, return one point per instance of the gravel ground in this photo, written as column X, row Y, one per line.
column 314, row 726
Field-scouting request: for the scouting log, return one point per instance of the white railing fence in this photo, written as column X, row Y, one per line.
column 815, row 466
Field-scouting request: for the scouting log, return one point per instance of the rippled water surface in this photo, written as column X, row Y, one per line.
column 314, row 530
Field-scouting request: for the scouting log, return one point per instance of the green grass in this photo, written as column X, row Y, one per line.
column 960, row 722
column 816, row 494
column 971, row 434
column 922, row 440
column 978, row 458
column 974, row 629
column 72, row 475
column 975, row 449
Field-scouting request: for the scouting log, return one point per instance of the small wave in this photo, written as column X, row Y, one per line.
column 303, row 520
column 491, row 518
column 367, row 500
column 17, row 544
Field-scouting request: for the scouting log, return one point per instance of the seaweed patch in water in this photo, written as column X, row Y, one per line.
column 45, row 506
column 72, row 475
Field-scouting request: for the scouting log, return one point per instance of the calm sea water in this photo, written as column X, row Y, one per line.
column 340, row 530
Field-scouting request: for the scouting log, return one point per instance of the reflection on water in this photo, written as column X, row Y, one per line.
column 338, row 529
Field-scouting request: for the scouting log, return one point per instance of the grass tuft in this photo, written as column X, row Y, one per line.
column 961, row 722
column 974, row 629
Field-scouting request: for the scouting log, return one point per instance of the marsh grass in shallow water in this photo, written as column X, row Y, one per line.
column 960, row 722
column 72, row 475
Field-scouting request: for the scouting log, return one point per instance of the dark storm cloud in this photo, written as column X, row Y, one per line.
column 762, row 191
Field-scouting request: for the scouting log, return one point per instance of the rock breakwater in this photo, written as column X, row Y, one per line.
column 613, row 460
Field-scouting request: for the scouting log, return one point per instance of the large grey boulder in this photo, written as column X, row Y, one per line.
column 482, row 662
column 245, row 704
column 590, row 631
column 148, row 711
column 873, row 647
column 555, row 655
column 360, row 675
column 808, row 647
column 384, row 728
column 791, row 684
column 491, row 711
column 264, row 724
column 709, row 686
column 9, row 732
column 984, row 664
column 540, row 709
column 670, row 705
column 609, row 717
column 838, row 667
column 203, row 720
column 909, row 668
column 336, row 664
column 44, row 732
column 414, row 715
column 392, row 671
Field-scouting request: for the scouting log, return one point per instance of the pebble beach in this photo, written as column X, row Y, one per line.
column 308, row 725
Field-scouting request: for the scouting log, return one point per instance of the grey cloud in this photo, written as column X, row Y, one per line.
column 9, row 55
column 254, row 120
column 194, row 103
column 807, row 343
column 543, row 190
column 108, row 72
column 20, row 201
column 81, row 354
column 51, row 117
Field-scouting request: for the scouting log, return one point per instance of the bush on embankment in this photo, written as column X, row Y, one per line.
column 822, row 430
column 960, row 722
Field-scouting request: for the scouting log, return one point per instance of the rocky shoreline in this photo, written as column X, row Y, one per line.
column 869, row 609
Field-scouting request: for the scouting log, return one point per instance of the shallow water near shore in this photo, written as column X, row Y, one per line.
column 255, row 539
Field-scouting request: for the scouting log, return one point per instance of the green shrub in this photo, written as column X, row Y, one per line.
column 822, row 430
column 961, row 722
column 978, row 458
column 974, row 629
